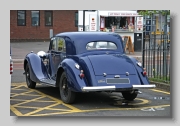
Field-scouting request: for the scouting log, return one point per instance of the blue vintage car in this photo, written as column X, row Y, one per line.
column 86, row 62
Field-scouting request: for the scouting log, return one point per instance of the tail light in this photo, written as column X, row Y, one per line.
column 82, row 74
column 144, row 71
column 11, row 66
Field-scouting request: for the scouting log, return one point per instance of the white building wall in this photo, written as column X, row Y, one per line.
column 101, row 12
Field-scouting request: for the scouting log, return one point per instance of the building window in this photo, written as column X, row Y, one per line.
column 21, row 18
column 35, row 18
column 48, row 18
column 76, row 19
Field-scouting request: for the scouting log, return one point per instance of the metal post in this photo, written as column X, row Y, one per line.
column 164, row 46
column 84, row 20
column 143, row 50
column 50, row 33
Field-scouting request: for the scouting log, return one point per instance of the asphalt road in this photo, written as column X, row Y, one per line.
column 45, row 101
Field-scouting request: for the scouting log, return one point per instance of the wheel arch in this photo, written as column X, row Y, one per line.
column 25, row 63
column 59, row 73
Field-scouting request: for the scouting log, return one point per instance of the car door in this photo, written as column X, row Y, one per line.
column 61, row 45
column 51, row 53
column 61, row 52
column 57, row 52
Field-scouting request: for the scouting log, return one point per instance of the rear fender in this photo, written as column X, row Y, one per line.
column 74, row 81
column 37, row 68
column 144, row 79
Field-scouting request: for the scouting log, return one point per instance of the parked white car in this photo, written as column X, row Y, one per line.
column 11, row 70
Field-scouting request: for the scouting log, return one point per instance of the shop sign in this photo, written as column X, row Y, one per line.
column 92, row 22
column 139, row 24
column 122, row 14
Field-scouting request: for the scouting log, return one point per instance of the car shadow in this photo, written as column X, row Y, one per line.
column 92, row 100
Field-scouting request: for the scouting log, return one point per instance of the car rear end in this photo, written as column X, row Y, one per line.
column 115, row 73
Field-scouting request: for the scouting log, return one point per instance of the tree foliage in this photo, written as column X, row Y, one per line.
column 150, row 12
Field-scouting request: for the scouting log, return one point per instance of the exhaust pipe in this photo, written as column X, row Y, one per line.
column 138, row 92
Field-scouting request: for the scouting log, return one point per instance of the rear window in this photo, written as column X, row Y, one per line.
column 101, row 45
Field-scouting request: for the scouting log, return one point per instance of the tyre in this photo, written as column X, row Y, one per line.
column 67, row 96
column 30, row 83
column 129, row 96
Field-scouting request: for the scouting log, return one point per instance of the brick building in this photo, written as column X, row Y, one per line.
column 31, row 25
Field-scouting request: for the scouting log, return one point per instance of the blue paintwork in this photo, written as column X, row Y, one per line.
column 144, row 79
column 37, row 68
column 94, row 63
column 79, row 40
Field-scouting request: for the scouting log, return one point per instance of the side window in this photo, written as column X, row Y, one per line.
column 53, row 44
column 61, row 44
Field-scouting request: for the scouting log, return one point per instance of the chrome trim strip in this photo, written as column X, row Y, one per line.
column 144, row 86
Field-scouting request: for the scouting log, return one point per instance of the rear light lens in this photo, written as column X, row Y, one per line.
column 144, row 72
column 11, row 67
column 82, row 74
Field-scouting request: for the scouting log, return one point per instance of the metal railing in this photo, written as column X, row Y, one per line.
column 156, row 57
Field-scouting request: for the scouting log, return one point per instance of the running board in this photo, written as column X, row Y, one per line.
column 48, row 81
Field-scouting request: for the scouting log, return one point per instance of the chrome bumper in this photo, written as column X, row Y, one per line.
column 113, row 88
column 144, row 86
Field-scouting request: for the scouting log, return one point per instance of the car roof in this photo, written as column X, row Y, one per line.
column 82, row 38
column 84, row 33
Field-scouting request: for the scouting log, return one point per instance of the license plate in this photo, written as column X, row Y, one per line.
column 117, row 81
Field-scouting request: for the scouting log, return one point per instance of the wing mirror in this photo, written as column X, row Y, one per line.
column 41, row 54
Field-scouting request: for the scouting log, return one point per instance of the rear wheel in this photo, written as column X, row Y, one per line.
column 129, row 96
column 67, row 96
column 30, row 83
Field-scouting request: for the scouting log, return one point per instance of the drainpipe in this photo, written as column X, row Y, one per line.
column 83, row 20
column 98, row 21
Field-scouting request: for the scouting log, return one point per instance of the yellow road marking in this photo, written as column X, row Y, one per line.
column 105, row 109
column 57, row 113
column 17, row 86
column 144, row 101
column 18, row 89
column 40, row 109
column 21, row 84
column 16, row 111
column 59, row 102
column 74, row 109
column 26, row 100
column 44, row 108
column 125, row 108
column 22, row 93
column 160, row 91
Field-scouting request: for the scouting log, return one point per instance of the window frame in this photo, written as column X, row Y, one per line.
column 95, row 45
column 24, row 18
column 31, row 18
column 51, row 17
column 53, row 40
column 64, row 44
column 76, row 24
